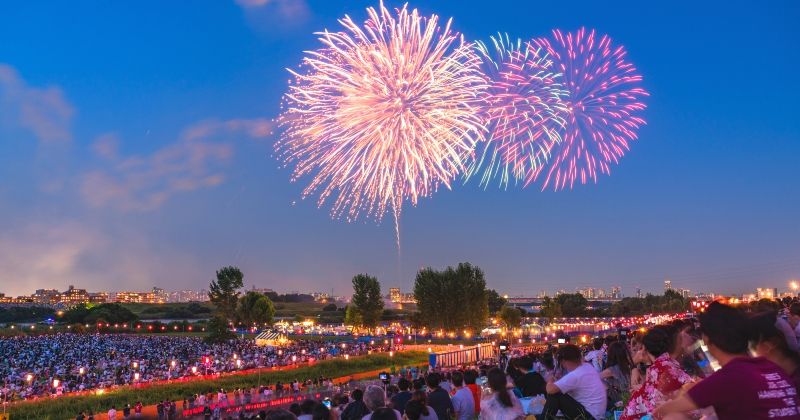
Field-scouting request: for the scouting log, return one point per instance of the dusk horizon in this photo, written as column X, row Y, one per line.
column 138, row 150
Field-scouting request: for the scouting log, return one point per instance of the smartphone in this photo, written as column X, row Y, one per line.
column 705, row 360
column 327, row 402
column 562, row 341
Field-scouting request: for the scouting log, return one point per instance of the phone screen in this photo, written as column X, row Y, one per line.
column 562, row 341
column 327, row 403
column 705, row 360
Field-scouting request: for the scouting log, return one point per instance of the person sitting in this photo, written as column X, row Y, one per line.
column 770, row 343
column 530, row 383
column 438, row 398
column 400, row 399
column 427, row 412
column 375, row 398
column 580, row 394
column 618, row 373
column 745, row 387
column 597, row 355
column 664, row 378
column 356, row 409
column 503, row 405
column 470, row 377
column 463, row 402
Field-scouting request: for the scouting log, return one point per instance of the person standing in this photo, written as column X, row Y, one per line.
column 112, row 413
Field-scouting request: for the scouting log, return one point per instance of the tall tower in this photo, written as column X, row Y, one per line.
column 667, row 285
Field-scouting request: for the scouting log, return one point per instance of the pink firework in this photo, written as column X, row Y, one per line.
column 604, row 103
column 523, row 110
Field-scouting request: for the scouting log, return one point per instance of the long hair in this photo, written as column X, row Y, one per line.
column 763, row 329
column 497, row 382
column 422, row 397
column 618, row 356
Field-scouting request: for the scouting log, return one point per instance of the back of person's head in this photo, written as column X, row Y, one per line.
column 548, row 361
column 765, row 305
column 618, row 356
column 415, row 409
column 457, row 378
column 794, row 309
column 763, row 331
column 320, row 412
column 374, row 397
column 404, row 384
column 433, row 379
column 420, row 396
column 569, row 353
column 295, row 409
column 725, row 327
column 278, row 414
column 418, row 384
column 357, row 395
column 597, row 343
column 470, row 376
column 307, row 406
column 497, row 382
column 525, row 363
column 384, row 413
column 660, row 339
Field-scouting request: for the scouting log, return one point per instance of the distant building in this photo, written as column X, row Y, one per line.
column 74, row 296
column 766, row 293
column 667, row 285
column 639, row 292
column 182, row 296
column 394, row 294
column 616, row 292
column 685, row 293
column 137, row 297
column 161, row 294
column 46, row 296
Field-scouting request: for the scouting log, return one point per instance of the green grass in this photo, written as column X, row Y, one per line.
column 69, row 406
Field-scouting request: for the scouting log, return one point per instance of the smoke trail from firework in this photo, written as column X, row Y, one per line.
column 523, row 110
column 603, row 106
column 386, row 112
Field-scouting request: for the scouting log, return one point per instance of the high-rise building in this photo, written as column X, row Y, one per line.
column 766, row 293
column 137, row 297
column 394, row 294
column 616, row 292
column 667, row 285
column 685, row 293
column 639, row 292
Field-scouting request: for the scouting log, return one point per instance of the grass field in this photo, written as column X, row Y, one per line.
column 68, row 406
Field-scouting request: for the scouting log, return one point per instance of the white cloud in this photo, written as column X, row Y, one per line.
column 43, row 111
column 49, row 255
column 142, row 183
column 272, row 14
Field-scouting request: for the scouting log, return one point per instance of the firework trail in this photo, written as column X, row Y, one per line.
column 386, row 112
column 523, row 110
column 603, row 107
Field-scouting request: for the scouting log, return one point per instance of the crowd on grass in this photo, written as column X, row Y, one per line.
column 725, row 364
column 51, row 365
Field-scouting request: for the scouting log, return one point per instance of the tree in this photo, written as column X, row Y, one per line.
column 551, row 308
column 367, row 303
column 329, row 307
column 452, row 299
column 495, row 301
column 224, row 291
column 351, row 316
column 219, row 331
column 510, row 316
column 255, row 308
column 572, row 304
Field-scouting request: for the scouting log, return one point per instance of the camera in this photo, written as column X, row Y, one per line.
column 562, row 341
column 383, row 376
column 503, row 346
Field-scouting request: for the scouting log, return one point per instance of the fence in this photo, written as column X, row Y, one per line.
column 465, row 356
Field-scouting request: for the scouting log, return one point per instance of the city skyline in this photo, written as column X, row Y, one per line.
column 146, row 153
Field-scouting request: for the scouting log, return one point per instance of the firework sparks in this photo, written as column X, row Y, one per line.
column 387, row 112
column 523, row 109
column 603, row 107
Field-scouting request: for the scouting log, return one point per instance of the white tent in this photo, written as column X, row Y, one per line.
column 271, row 338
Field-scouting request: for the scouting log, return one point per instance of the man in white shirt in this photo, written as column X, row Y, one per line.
column 463, row 402
column 595, row 357
column 580, row 394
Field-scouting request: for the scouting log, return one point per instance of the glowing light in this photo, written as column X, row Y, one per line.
column 386, row 112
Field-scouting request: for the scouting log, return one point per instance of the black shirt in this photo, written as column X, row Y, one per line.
column 531, row 384
column 399, row 401
column 439, row 400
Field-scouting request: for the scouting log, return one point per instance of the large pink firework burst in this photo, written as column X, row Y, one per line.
column 604, row 104
column 386, row 112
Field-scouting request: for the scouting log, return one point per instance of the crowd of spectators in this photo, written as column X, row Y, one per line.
column 51, row 365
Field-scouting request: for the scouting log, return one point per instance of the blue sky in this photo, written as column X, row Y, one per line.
column 136, row 150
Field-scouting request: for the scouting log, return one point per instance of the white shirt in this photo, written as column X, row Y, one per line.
column 464, row 404
column 584, row 384
column 492, row 409
column 112, row 414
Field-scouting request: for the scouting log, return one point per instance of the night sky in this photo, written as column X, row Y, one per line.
column 136, row 149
